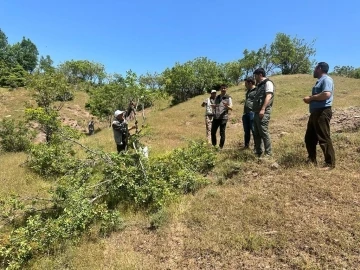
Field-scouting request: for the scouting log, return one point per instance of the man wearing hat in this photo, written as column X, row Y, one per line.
column 121, row 130
column 209, row 113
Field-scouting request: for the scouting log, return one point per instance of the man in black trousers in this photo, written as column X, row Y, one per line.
column 318, row 128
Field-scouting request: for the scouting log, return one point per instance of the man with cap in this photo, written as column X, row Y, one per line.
column 209, row 113
column 121, row 130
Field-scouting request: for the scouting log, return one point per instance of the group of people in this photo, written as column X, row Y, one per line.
column 258, row 105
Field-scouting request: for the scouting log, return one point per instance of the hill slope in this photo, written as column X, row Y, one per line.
column 252, row 215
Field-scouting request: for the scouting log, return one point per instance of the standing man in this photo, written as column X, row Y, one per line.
column 209, row 113
column 248, row 116
column 91, row 126
column 262, row 107
column 318, row 127
column 223, row 104
column 121, row 131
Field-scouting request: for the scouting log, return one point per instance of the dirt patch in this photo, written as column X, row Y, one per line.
column 73, row 116
column 343, row 120
column 347, row 120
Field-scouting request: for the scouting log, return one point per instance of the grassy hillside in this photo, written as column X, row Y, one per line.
column 252, row 215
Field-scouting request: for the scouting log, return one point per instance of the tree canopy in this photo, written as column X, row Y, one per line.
column 292, row 55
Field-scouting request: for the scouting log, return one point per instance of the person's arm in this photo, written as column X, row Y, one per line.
column 203, row 104
column 116, row 125
column 324, row 95
column 229, row 104
column 321, row 96
column 269, row 90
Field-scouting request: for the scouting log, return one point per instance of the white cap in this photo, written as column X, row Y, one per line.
column 118, row 112
column 213, row 91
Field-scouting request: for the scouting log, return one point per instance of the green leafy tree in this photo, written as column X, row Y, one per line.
column 265, row 59
column 12, row 76
column 83, row 71
column 11, row 73
column 192, row 78
column 3, row 46
column 356, row 73
column 347, row 71
column 151, row 81
column 207, row 74
column 48, row 88
column 105, row 99
column 292, row 55
column 46, row 64
column 117, row 94
column 233, row 71
column 249, row 62
column 26, row 54
column 180, row 82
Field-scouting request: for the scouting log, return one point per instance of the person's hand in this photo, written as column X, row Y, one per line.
column 213, row 105
column 226, row 104
column 261, row 114
column 307, row 99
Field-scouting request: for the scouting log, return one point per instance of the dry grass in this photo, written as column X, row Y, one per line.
column 13, row 102
column 252, row 216
column 16, row 178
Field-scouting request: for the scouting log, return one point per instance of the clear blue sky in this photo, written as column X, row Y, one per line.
column 152, row 35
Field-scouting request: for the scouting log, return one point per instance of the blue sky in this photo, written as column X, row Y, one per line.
column 152, row 35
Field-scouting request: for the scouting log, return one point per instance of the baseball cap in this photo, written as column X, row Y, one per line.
column 213, row 91
column 118, row 112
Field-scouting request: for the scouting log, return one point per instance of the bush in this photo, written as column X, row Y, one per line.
column 89, row 191
column 158, row 180
column 51, row 159
column 14, row 136
column 14, row 76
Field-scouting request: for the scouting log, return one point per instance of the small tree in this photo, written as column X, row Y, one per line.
column 117, row 94
column 46, row 64
column 48, row 88
column 292, row 55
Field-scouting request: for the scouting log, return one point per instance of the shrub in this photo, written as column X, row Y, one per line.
column 14, row 136
column 51, row 159
column 88, row 195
